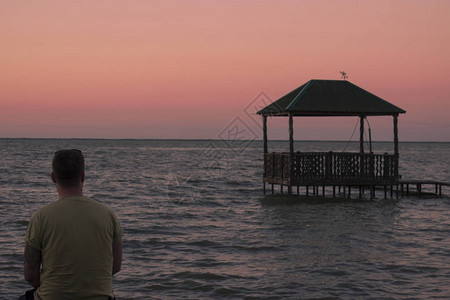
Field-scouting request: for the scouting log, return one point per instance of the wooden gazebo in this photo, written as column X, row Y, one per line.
column 325, row 98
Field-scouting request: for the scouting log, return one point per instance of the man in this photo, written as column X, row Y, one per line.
column 76, row 239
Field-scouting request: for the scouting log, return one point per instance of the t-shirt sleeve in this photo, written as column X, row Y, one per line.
column 117, row 228
column 32, row 236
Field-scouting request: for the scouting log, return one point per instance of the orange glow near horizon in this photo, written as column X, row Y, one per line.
column 186, row 69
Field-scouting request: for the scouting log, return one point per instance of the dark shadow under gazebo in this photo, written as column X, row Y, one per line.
column 330, row 98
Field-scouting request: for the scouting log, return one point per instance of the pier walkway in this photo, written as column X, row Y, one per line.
column 419, row 185
column 341, row 190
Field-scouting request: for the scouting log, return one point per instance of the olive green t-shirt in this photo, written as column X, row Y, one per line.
column 75, row 236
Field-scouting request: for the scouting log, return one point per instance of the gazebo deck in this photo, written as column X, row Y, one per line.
column 330, row 168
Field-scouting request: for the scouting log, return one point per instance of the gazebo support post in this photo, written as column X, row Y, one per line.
column 361, row 134
column 265, row 133
column 396, row 153
column 291, row 134
column 361, row 145
column 265, row 151
column 291, row 151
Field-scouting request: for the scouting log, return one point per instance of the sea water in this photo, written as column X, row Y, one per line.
column 197, row 225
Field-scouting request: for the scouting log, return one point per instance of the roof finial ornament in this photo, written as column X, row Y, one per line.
column 343, row 75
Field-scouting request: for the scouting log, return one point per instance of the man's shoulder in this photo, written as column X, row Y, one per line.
column 45, row 208
column 102, row 208
column 98, row 204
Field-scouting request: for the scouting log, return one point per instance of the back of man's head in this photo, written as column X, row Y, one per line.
column 67, row 167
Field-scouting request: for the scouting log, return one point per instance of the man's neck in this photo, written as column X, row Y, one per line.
column 70, row 192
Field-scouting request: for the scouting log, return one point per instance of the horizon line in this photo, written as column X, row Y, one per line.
column 202, row 139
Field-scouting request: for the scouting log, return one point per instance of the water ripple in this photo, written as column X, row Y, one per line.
column 199, row 229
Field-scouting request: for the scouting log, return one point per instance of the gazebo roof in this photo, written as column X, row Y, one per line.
column 330, row 98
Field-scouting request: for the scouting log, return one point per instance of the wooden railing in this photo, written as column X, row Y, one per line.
column 330, row 168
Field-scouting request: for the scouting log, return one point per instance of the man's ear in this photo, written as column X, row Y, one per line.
column 53, row 177
column 82, row 177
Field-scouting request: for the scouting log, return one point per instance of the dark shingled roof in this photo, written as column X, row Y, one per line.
column 330, row 98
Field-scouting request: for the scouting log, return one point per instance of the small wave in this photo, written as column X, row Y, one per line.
column 235, row 182
column 209, row 263
column 203, row 243
column 21, row 223
column 255, row 248
column 411, row 269
column 204, row 288
column 198, row 286
column 225, row 292
column 200, row 276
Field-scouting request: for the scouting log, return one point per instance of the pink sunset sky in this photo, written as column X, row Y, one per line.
column 194, row 69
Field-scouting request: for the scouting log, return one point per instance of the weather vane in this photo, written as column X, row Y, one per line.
column 343, row 75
